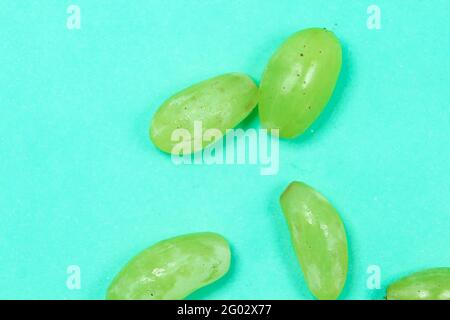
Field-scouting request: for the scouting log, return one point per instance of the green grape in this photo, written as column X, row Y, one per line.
column 431, row 284
column 319, row 239
column 299, row 80
column 219, row 103
column 172, row 269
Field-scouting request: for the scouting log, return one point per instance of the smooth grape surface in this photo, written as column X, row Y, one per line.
column 432, row 284
column 220, row 103
column 319, row 239
column 172, row 269
column 299, row 80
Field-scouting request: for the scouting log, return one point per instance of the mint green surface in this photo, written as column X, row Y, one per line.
column 81, row 183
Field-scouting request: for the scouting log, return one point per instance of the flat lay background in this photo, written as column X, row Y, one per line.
column 81, row 184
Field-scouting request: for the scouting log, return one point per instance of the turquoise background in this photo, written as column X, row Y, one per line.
column 81, row 184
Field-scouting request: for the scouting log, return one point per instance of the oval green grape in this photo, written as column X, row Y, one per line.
column 219, row 103
column 172, row 269
column 319, row 239
column 299, row 81
column 431, row 284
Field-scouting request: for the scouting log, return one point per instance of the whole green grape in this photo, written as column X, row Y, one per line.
column 319, row 239
column 431, row 284
column 220, row 103
column 299, row 80
column 172, row 269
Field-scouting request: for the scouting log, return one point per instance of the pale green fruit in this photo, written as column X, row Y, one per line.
column 319, row 239
column 172, row 269
column 299, row 80
column 432, row 284
column 220, row 103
